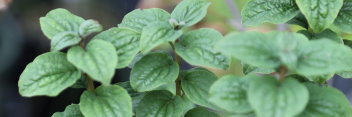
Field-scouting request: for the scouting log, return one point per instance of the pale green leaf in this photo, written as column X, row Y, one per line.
column 273, row 11
column 320, row 13
column 59, row 20
column 49, row 74
column 138, row 19
column 88, row 27
column 196, row 83
column 63, row 40
column 152, row 71
column 156, row 34
column 171, row 87
column 325, row 101
column 126, row 42
column 200, row 112
column 344, row 18
column 161, row 104
column 270, row 98
column 98, row 60
column 197, row 48
column 190, row 12
column 248, row 69
column 345, row 74
column 70, row 111
column 106, row 101
column 230, row 94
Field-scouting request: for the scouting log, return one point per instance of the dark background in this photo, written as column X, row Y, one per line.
column 21, row 40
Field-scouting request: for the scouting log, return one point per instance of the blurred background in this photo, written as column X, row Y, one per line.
column 21, row 40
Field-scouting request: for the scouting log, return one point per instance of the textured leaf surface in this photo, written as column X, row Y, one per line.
column 48, row 74
column 325, row 101
column 138, row 19
column 196, row 83
column 248, row 69
column 88, row 27
column 63, row 40
column 230, row 94
column 200, row 112
column 59, row 20
column 98, row 60
column 269, row 98
column 326, row 34
column 344, row 18
column 106, row 101
column 274, row 11
column 136, row 96
column 70, row 111
column 197, row 48
column 190, row 12
column 156, row 34
column 316, row 59
column 125, row 41
column 320, row 13
column 161, row 104
column 152, row 71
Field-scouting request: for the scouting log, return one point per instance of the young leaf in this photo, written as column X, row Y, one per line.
column 320, row 13
column 136, row 96
column 48, row 74
column 126, row 42
column 344, row 18
column 270, row 98
column 161, row 104
column 63, row 40
column 200, row 112
column 88, row 27
column 138, row 19
column 106, row 101
column 230, row 94
column 273, row 11
column 59, row 20
column 196, row 83
column 156, row 34
column 316, row 59
column 197, row 48
column 325, row 101
column 98, row 60
column 152, row 71
column 70, row 111
column 190, row 12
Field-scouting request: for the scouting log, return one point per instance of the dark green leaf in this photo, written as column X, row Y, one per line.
column 299, row 20
column 190, row 12
column 197, row 48
column 98, row 60
column 70, row 111
column 344, row 18
column 106, row 101
column 247, row 69
column 49, row 74
column 136, row 96
column 63, row 40
column 320, row 13
column 200, row 112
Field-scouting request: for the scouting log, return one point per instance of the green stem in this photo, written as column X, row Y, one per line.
column 178, row 60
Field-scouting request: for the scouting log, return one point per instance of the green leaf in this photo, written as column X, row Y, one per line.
column 63, row 40
column 190, row 12
column 320, row 13
column 88, row 27
column 70, row 111
column 270, row 98
column 136, row 96
column 345, row 74
column 138, row 19
column 161, row 104
column 49, row 74
column 325, row 101
column 196, row 83
column 98, row 60
column 152, row 71
column 171, row 87
column 299, row 20
column 59, row 20
column 319, row 57
column 200, row 112
column 326, row 34
column 266, row 51
column 344, row 18
column 273, row 11
column 230, row 94
column 125, row 41
column 248, row 69
column 242, row 115
column 320, row 78
column 156, row 34
column 106, row 101
column 197, row 48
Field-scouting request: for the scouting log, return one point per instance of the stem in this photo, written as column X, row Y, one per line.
column 282, row 73
column 236, row 19
column 179, row 62
column 90, row 83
